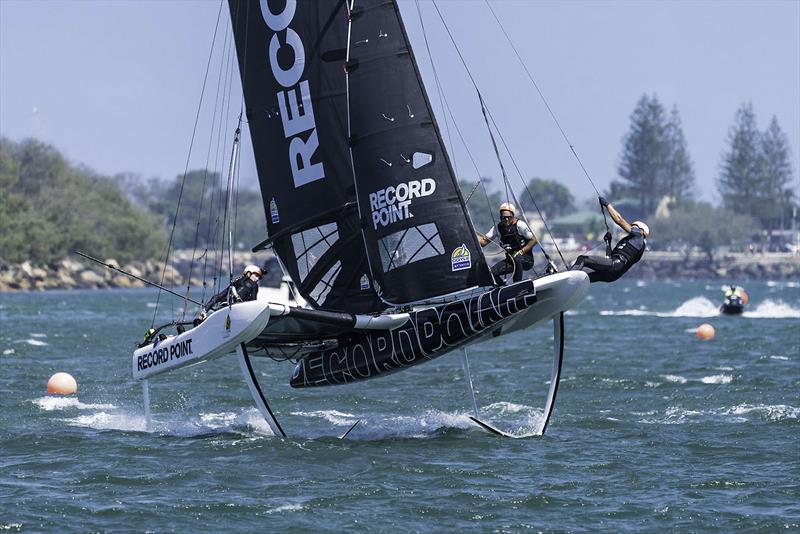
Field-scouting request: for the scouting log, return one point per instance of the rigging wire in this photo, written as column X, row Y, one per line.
column 509, row 190
column 547, row 105
column 186, row 168
column 219, row 105
column 223, row 58
column 446, row 105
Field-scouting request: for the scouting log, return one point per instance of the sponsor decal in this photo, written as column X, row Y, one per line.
column 461, row 258
column 364, row 282
column 296, row 110
column 273, row 211
column 162, row 355
column 393, row 203
column 427, row 334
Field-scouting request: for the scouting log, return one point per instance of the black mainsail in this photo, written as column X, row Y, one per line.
column 416, row 227
column 346, row 145
column 291, row 57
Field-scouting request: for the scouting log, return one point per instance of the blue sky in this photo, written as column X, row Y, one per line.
column 115, row 85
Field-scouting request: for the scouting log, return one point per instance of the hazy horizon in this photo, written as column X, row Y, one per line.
column 115, row 86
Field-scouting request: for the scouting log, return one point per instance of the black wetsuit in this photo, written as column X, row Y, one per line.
column 512, row 241
column 245, row 288
column 628, row 251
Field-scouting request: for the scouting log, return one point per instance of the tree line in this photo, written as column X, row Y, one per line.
column 755, row 173
column 50, row 207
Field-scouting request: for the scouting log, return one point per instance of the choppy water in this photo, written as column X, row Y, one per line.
column 653, row 429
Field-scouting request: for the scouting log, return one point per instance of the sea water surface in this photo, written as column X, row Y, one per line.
column 653, row 428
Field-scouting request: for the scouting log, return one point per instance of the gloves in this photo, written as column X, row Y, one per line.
column 607, row 237
column 517, row 253
column 603, row 202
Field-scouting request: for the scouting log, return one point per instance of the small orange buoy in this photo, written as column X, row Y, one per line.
column 745, row 297
column 705, row 331
column 62, row 384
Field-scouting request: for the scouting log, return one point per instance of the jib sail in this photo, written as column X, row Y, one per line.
column 291, row 56
column 417, row 231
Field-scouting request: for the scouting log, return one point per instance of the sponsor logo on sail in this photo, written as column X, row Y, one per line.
column 273, row 211
column 461, row 258
column 393, row 203
column 296, row 110
column 364, row 282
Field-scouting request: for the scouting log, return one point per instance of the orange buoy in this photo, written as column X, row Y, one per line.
column 745, row 297
column 62, row 384
column 705, row 331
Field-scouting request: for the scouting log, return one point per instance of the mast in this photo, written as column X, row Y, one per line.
column 229, row 200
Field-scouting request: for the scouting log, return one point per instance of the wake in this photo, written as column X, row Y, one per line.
column 703, row 307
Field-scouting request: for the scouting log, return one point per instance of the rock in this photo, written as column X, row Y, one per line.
column 26, row 269
column 71, row 265
column 65, row 280
column 112, row 262
column 134, row 270
column 91, row 278
column 39, row 273
column 121, row 281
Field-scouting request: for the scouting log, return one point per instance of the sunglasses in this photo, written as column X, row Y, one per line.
column 504, row 217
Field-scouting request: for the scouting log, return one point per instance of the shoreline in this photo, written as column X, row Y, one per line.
column 72, row 274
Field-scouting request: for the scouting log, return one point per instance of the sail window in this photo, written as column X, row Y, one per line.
column 420, row 159
column 310, row 245
column 319, row 293
column 410, row 245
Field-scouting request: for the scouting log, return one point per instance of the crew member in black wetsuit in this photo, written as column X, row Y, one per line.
column 244, row 288
column 516, row 238
column 616, row 262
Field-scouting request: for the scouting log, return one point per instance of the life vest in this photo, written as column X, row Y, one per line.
column 631, row 247
column 509, row 235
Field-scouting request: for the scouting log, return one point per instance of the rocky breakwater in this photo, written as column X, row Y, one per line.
column 71, row 273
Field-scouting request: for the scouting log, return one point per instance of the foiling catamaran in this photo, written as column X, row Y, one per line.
column 363, row 211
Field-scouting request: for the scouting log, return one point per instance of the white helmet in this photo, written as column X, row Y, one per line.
column 252, row 269
column 507, row 206
column 643, row 226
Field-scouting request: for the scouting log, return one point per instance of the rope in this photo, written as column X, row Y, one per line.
column 486, row 112
column 446, row 105
column 186, row 168
column 549, row 109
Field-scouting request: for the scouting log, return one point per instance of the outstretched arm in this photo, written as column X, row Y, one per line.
column 621, row 222
column 483, row 240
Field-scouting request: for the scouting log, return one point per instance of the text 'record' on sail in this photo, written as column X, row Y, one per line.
column 295, row 119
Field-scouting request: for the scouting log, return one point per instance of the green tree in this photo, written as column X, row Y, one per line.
column 552, row 197
column 777, row 178
column 482, row 205
column 680, row 169
column 645, row 153
column 655, row 160
column 50, row 207
column 740, row 182
column 706, row 227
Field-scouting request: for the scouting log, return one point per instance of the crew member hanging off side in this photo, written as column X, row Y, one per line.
column 516, row 238
column 616, row 262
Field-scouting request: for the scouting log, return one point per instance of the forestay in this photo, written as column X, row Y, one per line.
column 291, row 57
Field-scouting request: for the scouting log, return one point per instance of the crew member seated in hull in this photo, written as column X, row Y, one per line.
column 243, row 289
column 618, row 261
column 517, row 240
